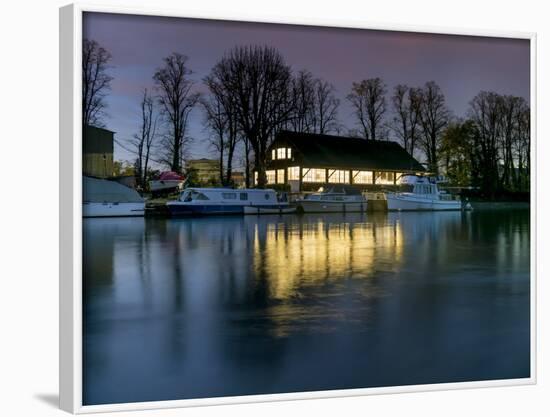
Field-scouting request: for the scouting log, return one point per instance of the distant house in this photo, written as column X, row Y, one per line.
column 307, row 161
column 97, row 152
column 206, row 170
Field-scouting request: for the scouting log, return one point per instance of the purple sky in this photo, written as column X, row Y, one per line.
column 461, row 65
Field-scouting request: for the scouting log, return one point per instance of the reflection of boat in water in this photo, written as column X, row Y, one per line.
column 425, row 195
column 103, row 198
column 224, row 201
column 341, row 199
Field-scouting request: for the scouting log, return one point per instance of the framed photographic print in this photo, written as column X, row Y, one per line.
column 271, row 210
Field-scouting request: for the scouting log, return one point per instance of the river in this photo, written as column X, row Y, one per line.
column 224, row 306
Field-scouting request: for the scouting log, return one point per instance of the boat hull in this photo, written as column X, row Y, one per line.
column 113, row 209
column 400, row 203
column 182, row 209
column 333, row 206
column 269, row 210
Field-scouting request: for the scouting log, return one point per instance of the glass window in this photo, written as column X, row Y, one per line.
column 256, row 178
column 338, row 176
column 385, row 178
column 362, row 177
column 273, row 154
column 271, row 176
column 281, row 153
column 289, row 153
column 229, row 196
column 315, row 175
column 293, row 173
column 244, row 196
column 280, row 176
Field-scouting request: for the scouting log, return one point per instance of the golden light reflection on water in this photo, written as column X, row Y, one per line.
column 304, row 264
column 300, row 255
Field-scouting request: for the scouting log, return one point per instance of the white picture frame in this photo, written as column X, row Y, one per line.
column 70, row 151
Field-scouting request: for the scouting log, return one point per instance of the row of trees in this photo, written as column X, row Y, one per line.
column 252, row 94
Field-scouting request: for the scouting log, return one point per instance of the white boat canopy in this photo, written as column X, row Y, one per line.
column 96, row 190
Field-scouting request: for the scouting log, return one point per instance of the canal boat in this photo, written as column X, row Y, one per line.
column 213, row 201
column 341, row 199
column 103, row 198
column 425, row 195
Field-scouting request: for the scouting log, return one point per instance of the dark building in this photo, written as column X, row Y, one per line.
column 306, row 161
column 97, row 152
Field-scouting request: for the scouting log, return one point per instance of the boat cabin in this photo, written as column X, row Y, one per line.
column 228, row 196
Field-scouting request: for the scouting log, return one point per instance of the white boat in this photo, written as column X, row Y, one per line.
column 342, row 199
column 267, row 210
column 425, row 195
column 167, row 183
column 103, row 198
column 204, row 201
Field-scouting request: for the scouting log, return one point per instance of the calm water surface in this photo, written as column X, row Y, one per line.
column 223, row 306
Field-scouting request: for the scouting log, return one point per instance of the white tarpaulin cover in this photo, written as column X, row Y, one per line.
column 101, row 191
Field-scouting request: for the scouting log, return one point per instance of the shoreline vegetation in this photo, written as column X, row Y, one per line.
column 251, row 94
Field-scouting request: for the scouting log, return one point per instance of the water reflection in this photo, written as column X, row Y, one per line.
column 189, row 308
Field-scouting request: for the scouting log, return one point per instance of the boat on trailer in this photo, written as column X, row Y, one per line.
column 338, row 199
column 215, row 201
column 425, row 195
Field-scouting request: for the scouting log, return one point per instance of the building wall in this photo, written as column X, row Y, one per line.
column 98, row 165
column 206, row 170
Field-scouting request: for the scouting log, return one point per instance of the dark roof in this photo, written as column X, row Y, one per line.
column 338, row 151
column 97, row 140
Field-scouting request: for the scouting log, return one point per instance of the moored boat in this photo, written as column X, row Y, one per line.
column 213, row 201
column 166, row 183
column 425, row 195
column 342, row 199
column 103, row 198
column 282, row 209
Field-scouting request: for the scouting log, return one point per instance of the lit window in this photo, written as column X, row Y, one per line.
column 289, row 153
column 315, row 175
column 270, row 176
column 362, row 177
column 273, row 154
column 338, row 176
column 280, row 176
column 384, row 178
column 281, row 153
column 293, row 173
column 256, row 178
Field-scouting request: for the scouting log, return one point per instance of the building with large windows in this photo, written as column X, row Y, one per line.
column 307, row 161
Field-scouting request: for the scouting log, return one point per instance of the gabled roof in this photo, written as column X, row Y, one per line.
column 338, row 151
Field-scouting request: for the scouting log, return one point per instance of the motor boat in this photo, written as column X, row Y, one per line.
column 338, row 199
column 167, row 183
column 103, row 198
column 425, row 195
column 204, row 201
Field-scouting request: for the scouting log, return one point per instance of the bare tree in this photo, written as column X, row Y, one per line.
column 326, row 107
column 221, row 121
column 434, row 118
column 258, row 83
column 96, row 82
column 144, row 140
column 302, row 117
column 368, row 99
column 177, row 100
column 406, row 121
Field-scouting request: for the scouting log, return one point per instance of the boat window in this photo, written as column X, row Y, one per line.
column 244, row 196
column 266, row 196
column 229, row 196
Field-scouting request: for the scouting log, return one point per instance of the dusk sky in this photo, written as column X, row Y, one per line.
column 461, row 65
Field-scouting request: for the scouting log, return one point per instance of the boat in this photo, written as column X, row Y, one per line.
column 267, row 210
column 213, row 201
column 425, row 195
column 104, row 198
column 167, row 183
column 338, row 199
